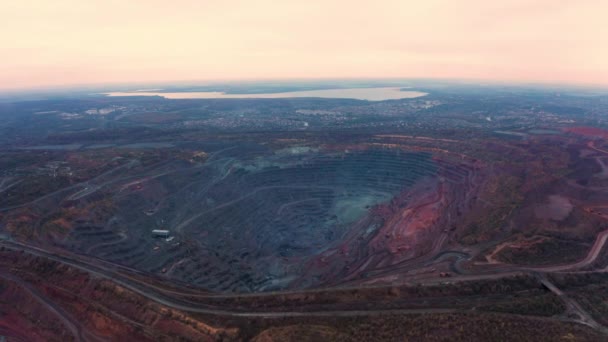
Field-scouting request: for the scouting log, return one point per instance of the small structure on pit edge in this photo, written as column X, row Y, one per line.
column 160, row 233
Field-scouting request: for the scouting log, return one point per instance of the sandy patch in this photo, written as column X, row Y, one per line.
column 557, row 208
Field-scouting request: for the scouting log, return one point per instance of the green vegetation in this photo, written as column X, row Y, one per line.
column 548, row 251
column 428, row 327
column 539, row 305
column 588, row 289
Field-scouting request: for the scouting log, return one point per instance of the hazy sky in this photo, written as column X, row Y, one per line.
column 61, row 42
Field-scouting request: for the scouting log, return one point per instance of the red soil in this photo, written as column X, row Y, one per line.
column 99, row 308
column 592, row 132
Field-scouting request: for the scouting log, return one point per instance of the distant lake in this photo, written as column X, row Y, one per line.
column 543, row 131
column 369, row 94
column 68, row 147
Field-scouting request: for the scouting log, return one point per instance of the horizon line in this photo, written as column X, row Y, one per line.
column 211, row 82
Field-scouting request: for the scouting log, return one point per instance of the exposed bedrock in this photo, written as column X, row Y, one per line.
column 267, row 223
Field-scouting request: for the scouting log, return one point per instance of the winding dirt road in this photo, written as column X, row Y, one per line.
column 79, row 332
column 170, row 298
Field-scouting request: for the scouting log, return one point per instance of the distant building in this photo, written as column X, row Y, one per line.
column 160, row 233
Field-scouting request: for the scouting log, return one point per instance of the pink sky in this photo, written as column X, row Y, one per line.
column 63, row 42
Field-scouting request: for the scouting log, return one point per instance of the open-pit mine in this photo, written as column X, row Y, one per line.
column 459, row 215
